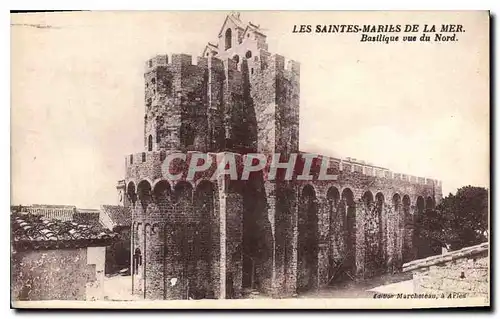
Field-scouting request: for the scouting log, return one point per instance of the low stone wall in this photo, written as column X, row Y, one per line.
column 463, row 273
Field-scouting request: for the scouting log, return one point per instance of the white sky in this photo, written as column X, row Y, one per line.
column 77, row 95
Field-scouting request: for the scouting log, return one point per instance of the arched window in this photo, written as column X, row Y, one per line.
column 228, row 39
column 150, row 143
column 368, row 198
column 248, row 55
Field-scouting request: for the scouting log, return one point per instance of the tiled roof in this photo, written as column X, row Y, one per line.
column 88, row 218
column 31, row 231
column 119, row 215
column 466, row 252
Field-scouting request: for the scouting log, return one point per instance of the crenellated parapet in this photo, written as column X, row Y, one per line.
column 360, row 177
column 323, row 173
column 221, row 104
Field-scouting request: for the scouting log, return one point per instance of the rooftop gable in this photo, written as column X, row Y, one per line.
column 253, row 28
column 235, row 19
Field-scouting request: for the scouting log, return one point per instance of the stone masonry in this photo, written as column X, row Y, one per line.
column 205, row 238
column 464, row 273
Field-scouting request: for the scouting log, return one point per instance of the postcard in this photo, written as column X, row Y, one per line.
column 252, row 159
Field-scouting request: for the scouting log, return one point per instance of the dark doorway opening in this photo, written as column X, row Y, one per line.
column 307, row 275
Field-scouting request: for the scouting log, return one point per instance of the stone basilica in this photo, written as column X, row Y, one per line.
column 206, row 238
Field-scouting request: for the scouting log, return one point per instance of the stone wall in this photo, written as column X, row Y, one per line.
column 59, row 274
column 222, row 104
column 369, row 230
column 464, row 272
column 176, row 241
column 247, row 100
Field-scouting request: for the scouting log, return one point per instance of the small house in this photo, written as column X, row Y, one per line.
column 54, row 259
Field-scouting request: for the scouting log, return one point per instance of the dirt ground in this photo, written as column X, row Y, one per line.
column 388, row 283
column 119, row 288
